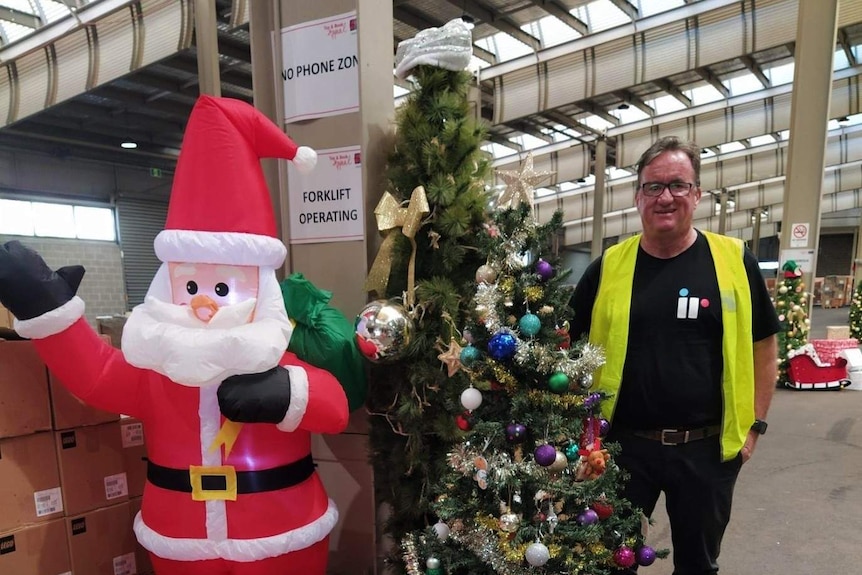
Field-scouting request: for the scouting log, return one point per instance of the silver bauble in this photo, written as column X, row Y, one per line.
column 383, row 330
column 560, row 462
column 586, row 381
column 486, row 274
column 509, row 522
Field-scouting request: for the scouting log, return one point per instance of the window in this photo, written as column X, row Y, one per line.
column 44, row 219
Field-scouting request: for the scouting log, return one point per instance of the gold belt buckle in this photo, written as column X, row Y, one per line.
column 227, row 472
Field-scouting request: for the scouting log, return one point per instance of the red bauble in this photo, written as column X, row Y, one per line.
column 464, row 421
column 603, row 509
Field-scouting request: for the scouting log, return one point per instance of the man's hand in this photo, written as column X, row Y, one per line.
column 256, row 397
column 28, row 287
column 749, row 445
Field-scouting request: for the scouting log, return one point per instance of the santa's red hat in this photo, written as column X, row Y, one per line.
column 220, row 209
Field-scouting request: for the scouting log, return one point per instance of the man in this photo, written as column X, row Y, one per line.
column 688, row 330
column 231, row 487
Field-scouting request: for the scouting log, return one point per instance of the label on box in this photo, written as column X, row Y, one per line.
column 125, row 564
column 48, row 501
column 68, row 440
column 7, row 544
column 116, row 486
column 79, row 526
column 133, row 434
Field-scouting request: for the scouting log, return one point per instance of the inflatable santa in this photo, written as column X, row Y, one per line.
column 231, row 486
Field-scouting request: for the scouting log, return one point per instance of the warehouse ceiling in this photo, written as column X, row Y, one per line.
column 555, row 77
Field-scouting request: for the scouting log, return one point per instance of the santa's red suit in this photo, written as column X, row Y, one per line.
column 222, row 498
column 181, row 425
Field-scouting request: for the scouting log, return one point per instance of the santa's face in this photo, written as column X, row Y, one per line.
column 216, row 321
column 210, row 287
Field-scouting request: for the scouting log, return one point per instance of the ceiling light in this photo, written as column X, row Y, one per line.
column 581, row 181
column 623, row 106
column 468, row 20
column 128, row 145
column 843, row 119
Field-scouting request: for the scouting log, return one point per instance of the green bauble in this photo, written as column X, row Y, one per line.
column 559, row 382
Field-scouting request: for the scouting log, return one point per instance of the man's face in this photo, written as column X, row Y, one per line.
column 666, row 214
column 209, row 287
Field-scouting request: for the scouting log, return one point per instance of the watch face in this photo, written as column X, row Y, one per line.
column 759, row 426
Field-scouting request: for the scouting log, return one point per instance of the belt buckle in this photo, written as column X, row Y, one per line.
column 226, row 472
column 664, row 440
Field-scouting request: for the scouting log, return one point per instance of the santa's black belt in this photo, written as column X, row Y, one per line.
column 224, row 482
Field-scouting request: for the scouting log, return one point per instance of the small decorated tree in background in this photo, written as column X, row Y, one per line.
column 791, row 303
column 856, row 313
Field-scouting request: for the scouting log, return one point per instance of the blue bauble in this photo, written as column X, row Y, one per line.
column 502, row 345
column 469, row 356
column 530, row 324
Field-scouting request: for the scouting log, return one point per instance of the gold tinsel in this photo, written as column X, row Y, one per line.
column 534, row 293
column 565, row 401
column 503, row 377
column 506, row 285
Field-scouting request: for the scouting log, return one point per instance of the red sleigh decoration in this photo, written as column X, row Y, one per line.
column 806, row 371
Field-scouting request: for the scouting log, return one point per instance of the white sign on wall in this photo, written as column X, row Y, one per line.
column 326, row 204
column 320, row 68
column 799, row 235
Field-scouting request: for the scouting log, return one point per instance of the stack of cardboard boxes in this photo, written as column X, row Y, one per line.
column 70, row 476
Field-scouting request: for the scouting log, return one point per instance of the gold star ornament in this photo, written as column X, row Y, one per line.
column 519, row 184
column 451, row 357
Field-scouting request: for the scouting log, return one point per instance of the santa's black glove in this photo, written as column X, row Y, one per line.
column 28, row 287
column 256, row 397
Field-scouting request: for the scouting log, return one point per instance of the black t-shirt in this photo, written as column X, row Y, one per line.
column 672, row 372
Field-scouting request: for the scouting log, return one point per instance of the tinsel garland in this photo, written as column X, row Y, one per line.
column 411, row 560
column 550, row 359
column 487, row 296
column 484, row 543
column 499, row 465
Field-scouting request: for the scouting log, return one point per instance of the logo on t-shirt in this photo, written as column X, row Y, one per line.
column 687, row 305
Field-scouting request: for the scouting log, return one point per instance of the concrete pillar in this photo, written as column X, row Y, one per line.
column 809, row 115
column 206, row 44
column 339, row 267
column 599, row 198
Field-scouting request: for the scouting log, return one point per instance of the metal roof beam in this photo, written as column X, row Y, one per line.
column 591, row 108
column 559, row 11
column 844, row 42
column 755, row 69
column 668, row 87
column 25, row 19
column 501, row 23
column 707, row 75
column 626, row 7
column 633, row 100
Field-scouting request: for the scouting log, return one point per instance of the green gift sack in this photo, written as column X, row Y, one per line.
column 323, row 337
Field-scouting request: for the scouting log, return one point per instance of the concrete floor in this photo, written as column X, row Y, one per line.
column 797, row 507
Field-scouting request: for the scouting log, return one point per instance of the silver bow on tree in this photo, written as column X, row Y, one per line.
column 449, row 47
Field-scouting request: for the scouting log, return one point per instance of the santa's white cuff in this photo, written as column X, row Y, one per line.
column 52, row 322
column 298, row 398
column 305, row 159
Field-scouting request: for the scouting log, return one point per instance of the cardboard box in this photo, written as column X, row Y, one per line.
column 92, row 470
column 111, row 326
column 100, row 543
column 142, row 556
column 837, row 332
column 36, row 550
column 134, row 454
column 67, row 411
column 24, row 404
column 29, row 481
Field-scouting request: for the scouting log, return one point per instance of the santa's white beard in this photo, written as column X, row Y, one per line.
column 168, row 339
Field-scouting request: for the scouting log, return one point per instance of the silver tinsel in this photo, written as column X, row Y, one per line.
column 487, row 295
column 548, row 359
column 483, row 543
column 500, row 469
column 411, row 560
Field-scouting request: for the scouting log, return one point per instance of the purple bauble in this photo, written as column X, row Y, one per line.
column 624, row 557
column 645, row 556
column 545, row 455
column 502, row 345
column 604, row 427
column 592, row 400
column 516, row 432
column 587, row 517
column 544, row 270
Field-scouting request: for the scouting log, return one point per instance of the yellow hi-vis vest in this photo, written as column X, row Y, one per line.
column 610, row 330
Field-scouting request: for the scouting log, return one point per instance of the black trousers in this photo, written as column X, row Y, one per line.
column 698, row 489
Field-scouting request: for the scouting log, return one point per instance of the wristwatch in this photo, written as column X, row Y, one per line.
column 759, row 426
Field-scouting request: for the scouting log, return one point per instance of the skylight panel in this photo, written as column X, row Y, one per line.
column 543, row 192
column 602, row 15
column 54, row 10
column 744, row 84
column 629, row 115
column 553, row 31
column 16, row 31
column 499, row 151
column 782, row 74
column 762, row 140
column 506, row 47
column 703, row 95
column 666, row 104
column 597, row 123
column 531, row 142
column 615, row 173
column 730, row 147
column 650, row 7
column 839, row 61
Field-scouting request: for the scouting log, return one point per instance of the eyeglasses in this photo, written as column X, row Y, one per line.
column 677, row 189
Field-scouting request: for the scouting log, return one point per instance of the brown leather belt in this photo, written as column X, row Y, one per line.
column 676, row 436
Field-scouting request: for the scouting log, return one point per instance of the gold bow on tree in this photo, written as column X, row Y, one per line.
column 391, row 215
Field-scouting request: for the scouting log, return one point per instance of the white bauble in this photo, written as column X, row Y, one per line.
column 471, row 398
column 537, row 554
column 442, row 530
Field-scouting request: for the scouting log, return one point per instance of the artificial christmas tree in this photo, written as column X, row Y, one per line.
column 856, row 313
column 791, row 303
